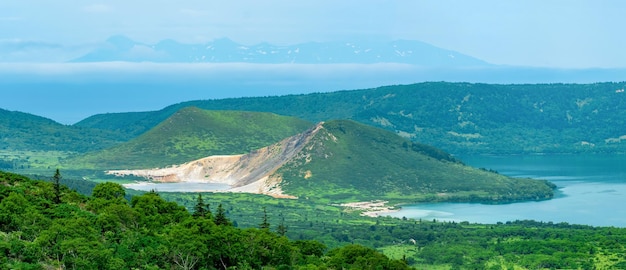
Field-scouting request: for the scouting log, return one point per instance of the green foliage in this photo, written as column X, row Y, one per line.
column 201, row 209
column 440, row 245
column 192, row 133
column 108, row 191
column 310, row 247
column 56, row 180
column 456, row 117
column 220, row 216
column 152, row 233
column 281, row 229
column 157, row 212
column 106, row 197
column 265, row 225
column 361, row 257
column 347, row 161
column 148, row 233
column 22, row 131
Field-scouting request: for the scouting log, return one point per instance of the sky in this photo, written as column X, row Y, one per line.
column 548, row 34
column 554, row 33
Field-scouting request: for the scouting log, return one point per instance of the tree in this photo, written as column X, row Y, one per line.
column 310, row 247
column 265, row 225
column 189, row 243
column 105, row 195
column 57, row 186
column 355, row 256
column 108, row 191
column 281, row 229
column 154, row 212
column 201, row 209
column 220, row 216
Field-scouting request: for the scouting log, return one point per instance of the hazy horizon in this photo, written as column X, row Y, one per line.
column 68, row 93
column 532, row 42
column 556, row 34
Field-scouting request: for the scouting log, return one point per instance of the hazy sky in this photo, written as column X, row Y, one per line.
column 533, row 33
column 548, row 33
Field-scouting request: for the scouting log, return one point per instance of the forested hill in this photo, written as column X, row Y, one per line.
column 23, row 131
column 457, row 117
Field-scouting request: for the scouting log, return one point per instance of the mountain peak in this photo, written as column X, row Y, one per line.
column 224, row 50
column 121, row 42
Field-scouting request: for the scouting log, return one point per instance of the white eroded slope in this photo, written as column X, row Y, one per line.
column 251, row 172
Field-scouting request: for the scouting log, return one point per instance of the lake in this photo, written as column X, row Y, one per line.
column 591, row 191
column 178, row 187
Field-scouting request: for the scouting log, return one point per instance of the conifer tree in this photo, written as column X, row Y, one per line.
column 220, row 216
column 281, row 229
column 57, row 186
column 199, row 210
column 207, row 211
column 265, row 225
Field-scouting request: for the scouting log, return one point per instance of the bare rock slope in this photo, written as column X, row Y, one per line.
column 252, row 172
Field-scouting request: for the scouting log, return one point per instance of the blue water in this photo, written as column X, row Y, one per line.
column 178, row 187
column 591, row 191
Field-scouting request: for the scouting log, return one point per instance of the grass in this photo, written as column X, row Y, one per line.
column 191, row 134
column 351, row 162
column 347, row 161
column 400, row 251
column 410, row 253
column 23, row 159
column 22, row 131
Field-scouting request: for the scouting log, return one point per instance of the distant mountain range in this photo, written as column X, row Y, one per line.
column 122, row 48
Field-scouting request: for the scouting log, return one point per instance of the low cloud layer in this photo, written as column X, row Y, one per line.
column 70, row 92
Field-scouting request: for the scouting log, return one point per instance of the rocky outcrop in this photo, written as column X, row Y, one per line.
column 252, row 172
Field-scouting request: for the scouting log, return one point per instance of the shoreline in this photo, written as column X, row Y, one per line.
column 374, row 208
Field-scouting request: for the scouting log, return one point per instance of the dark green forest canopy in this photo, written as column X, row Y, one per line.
column 457, row 117
column 105, row 231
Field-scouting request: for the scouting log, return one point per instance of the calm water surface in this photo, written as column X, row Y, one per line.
column 591, row 191
column 177, row 187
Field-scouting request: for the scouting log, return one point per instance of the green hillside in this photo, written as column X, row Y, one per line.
column 348, row 161
column 192, row 133
column 23, row 131
column 457, row 117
